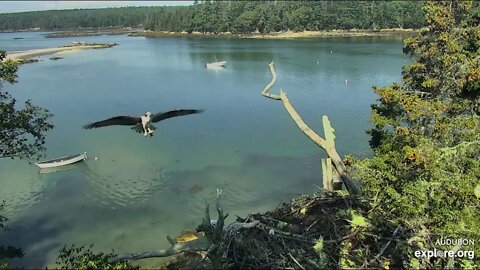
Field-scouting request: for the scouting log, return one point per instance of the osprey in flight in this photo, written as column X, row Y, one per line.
column 140, row 123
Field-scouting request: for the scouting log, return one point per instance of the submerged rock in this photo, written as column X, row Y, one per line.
column 21, row 61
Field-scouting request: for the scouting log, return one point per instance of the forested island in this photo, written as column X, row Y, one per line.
column 230, row 16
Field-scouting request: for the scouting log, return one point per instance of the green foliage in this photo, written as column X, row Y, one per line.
column 22, row 131
column 358, row 221
column 319, row 245
column 83, row 258
column 8, row 69
column 345, row 262
column 322, row 256
column 426, row 135
column 9, row 253
column 477, row 191
column 231, row 16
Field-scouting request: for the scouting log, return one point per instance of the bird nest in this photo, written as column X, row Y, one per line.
column 326, row 231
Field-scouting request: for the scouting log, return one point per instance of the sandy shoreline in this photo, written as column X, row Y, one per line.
column 40, row 52
column 334, row 33
column 282, row 35
column 28, row 54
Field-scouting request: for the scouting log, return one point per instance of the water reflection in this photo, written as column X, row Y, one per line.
column 20, row 189
column 258, row 179
column 231, row 56
column 38, row 236
column 121, row 176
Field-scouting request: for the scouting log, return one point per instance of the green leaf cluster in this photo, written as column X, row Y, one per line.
column 7, row 253
column 83, row 258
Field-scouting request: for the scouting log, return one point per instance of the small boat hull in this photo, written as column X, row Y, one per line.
column 68, row 167
column 216, row 65
column 62, row 161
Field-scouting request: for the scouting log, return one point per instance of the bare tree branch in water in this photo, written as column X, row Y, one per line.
column 214, row 231
column 192, row 246
column 326, row 144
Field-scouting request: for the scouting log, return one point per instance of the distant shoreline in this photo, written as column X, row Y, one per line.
column 93, row 32
column 275, row 35
column 282, row 35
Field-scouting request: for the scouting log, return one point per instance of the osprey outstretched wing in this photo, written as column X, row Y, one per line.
column 174, row 113
column 117, row 120
column 141, row 123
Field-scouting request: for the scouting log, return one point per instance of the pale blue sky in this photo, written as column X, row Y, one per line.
column 20, row 6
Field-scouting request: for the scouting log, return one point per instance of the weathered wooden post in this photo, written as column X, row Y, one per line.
column 326, row 144
column 337, row 181
column 327, row 174
column 331, row 178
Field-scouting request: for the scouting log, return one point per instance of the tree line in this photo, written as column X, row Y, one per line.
column 75, row 18
column 231, row 16
column 274, row 16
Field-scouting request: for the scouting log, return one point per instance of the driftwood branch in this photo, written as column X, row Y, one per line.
column 209, row 242
column 326, row 144
column 214, row 230
column 235, row 226
column 388, row 244
column 201, row 244
column 295, row 260
column 269, row 85
column 278, row 232
column 221, row 217
column 171, row 241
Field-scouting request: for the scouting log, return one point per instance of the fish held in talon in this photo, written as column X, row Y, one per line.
column 143, row 123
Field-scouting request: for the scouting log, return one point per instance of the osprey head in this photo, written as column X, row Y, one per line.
column 148, row 114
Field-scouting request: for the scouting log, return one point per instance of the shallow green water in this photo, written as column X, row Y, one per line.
column 142, row 189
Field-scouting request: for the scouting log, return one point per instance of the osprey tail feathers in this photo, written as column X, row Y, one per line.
column 139, row 128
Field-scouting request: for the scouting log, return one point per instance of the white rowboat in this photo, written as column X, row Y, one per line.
column 216, row 65
column 61, row 161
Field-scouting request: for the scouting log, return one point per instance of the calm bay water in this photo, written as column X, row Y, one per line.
column 140, row 190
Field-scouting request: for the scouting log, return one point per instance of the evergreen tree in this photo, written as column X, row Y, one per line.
column 426, row 137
